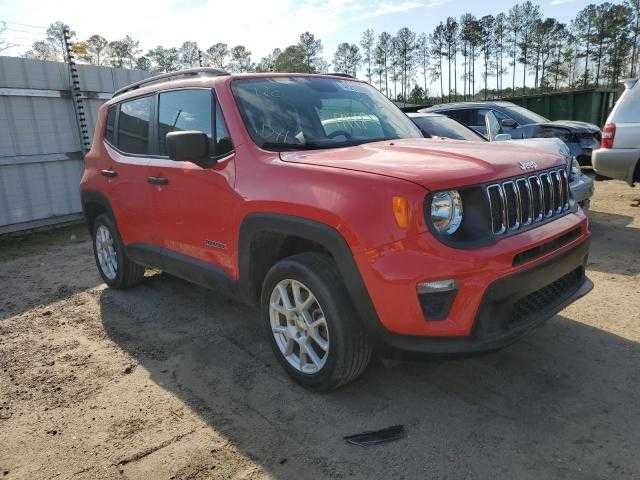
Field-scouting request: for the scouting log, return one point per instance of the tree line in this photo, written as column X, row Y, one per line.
column 512, row 53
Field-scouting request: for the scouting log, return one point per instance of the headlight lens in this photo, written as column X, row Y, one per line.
column 446, row 211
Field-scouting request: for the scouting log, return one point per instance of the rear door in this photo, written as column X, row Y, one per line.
column 195, row 205
column 127, row 141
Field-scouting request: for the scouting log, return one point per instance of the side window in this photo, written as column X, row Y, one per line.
column 183, row 110
column 501, row 116
column 465, row 117
column 133, row 126
column 481, row 120
column 223, row 139
column 111, row 123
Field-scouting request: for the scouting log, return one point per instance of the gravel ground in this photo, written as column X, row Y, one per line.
column 171, row 381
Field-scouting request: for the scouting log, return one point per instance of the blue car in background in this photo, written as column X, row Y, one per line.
column 581, row 137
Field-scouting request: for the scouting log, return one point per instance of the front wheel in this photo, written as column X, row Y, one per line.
column 116, row 269
column 314, row 330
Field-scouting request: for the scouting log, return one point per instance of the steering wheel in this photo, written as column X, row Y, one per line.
column 337, row 133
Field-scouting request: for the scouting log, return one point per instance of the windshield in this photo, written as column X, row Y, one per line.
column 297, row 113
column 441, row 126
column 522, row 115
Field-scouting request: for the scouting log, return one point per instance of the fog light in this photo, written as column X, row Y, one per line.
column 436, row 298
column 437, row 286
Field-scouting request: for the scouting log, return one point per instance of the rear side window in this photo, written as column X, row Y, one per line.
column 465, row 117
column 223, row 139
column 183, row 110
column 111, row 124
column 133, row 126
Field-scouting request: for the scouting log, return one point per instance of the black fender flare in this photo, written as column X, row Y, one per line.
column 328, row 237
column 88, row 197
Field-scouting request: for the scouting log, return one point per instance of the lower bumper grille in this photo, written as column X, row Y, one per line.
column 552, row 294
column 540, row 250
column 514, row 302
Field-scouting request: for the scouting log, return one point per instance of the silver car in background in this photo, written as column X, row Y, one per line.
column 619, row 153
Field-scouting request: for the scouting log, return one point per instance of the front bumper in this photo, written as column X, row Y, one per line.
column 616, row 163
column 512, row 306
column 392, row 274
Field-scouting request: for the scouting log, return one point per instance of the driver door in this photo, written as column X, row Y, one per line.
column 194, row 203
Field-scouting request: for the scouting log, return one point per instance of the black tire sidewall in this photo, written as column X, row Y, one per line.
column 106, row 220
column 329, row 297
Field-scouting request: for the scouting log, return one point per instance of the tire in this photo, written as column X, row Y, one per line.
column 348, row 349
column 122, row 272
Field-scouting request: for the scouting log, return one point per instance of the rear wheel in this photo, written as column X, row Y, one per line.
column 116, row 269
column 314, row 330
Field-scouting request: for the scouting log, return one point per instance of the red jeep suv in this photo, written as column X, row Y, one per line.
column 315, row 198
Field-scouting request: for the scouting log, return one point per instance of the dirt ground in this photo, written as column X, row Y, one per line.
column 171, row 381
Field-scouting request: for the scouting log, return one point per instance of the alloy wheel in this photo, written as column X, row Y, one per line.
column 299, row 326
column 106, row 252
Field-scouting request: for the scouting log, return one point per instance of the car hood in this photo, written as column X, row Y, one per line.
column 433, row 163
column 577, row 127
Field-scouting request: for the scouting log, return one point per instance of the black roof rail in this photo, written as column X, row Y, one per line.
column 345, row 75
column 212, row 72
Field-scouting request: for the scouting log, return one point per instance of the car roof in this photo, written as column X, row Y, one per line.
column 455, row 105
column 204, row 78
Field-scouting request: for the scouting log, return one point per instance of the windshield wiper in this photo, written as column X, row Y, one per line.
column 303, row 146
column 370, row 140
column 292, row 146
column 317, row 146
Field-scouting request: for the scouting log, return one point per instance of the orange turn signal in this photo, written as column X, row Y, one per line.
column 401, row 211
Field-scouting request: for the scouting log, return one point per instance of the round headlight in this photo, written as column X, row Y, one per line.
column 446, row 211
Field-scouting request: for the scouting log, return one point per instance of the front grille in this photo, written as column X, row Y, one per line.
column 553, row 294
column 517, row 203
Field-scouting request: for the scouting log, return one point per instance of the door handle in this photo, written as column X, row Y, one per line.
column 157, row 180
column 108, row 173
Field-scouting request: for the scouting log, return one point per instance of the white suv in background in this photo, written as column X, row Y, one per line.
column 619, row 152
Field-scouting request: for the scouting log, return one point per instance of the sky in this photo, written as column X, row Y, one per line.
column 259, row 25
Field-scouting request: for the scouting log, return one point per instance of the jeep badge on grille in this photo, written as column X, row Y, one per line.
column 528, row 165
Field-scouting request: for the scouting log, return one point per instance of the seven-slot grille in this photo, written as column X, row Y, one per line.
column 519, row 202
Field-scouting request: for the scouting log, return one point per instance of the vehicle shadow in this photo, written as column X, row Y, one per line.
column 560, row 403
column 40, row 269
column 615, row 245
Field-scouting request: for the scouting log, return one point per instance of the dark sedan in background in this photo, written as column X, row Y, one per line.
column 581, row 138
column 437, row 125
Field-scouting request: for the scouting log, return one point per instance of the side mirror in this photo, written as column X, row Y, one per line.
column 502, row 137
column 508, row 123
column 188, row 146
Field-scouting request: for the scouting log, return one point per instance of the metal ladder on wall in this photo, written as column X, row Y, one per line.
column 76, row 94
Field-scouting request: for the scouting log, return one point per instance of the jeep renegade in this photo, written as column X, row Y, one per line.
column 313, row 197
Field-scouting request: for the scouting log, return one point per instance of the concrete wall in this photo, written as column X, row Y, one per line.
column 40, row 149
